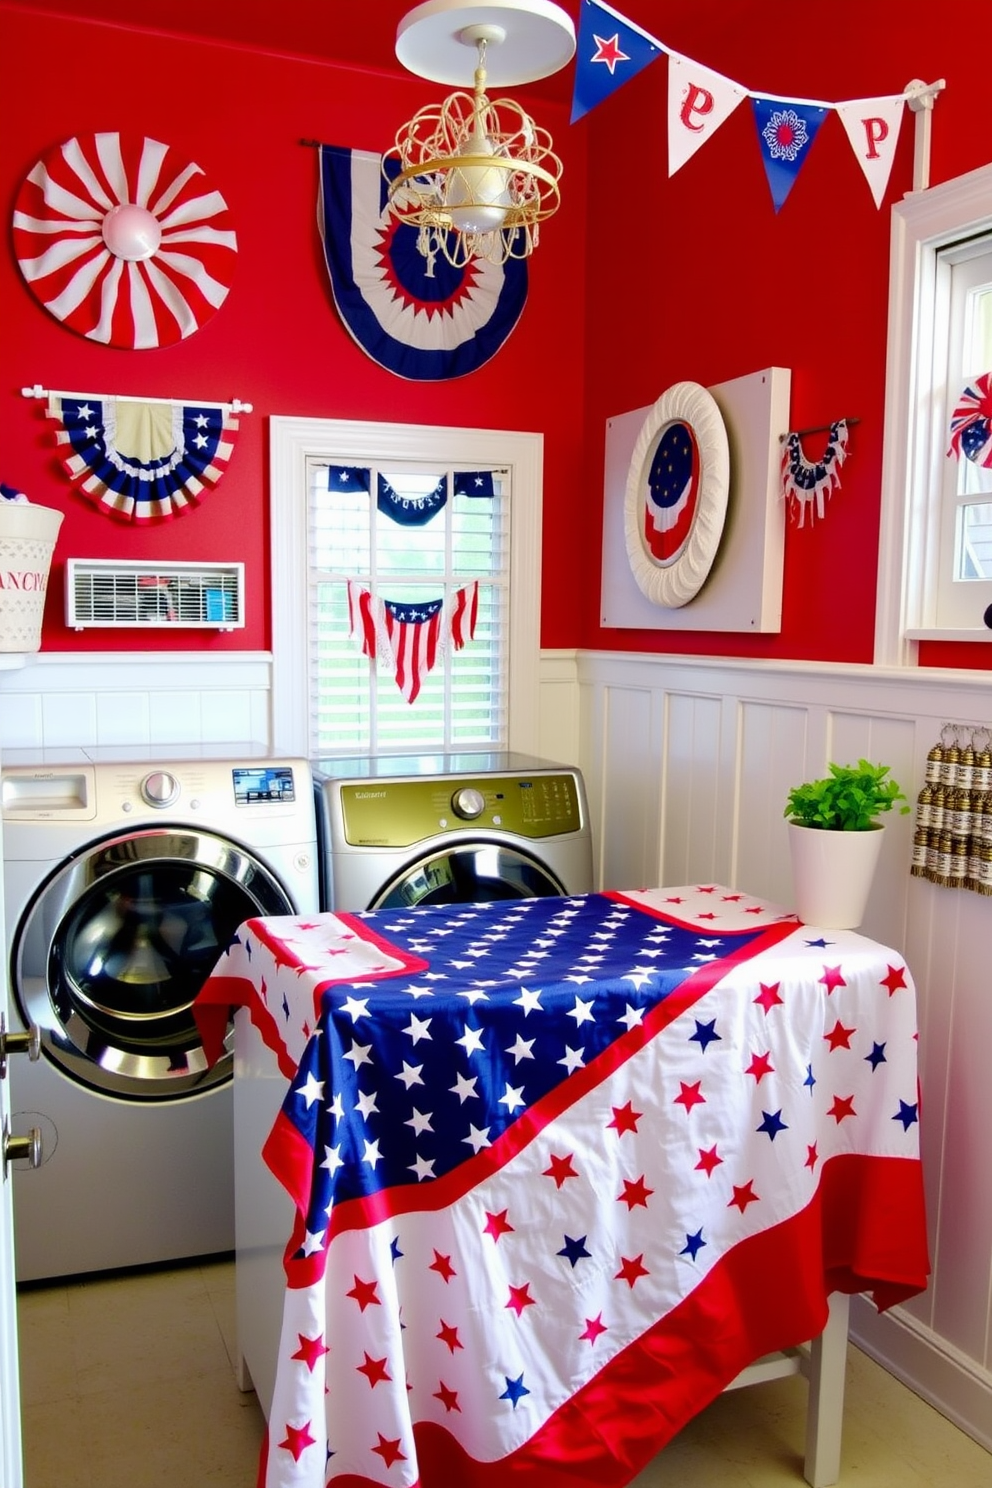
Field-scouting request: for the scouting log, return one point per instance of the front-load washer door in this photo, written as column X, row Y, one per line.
column 470, row 873
column 114, row 947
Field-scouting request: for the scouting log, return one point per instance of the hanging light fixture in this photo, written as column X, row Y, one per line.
column 476, row 175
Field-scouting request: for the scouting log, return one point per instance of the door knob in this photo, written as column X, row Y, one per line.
column 17, row 1148
column 28, row 1043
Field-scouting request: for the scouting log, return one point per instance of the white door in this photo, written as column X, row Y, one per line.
column 10, row 1406
column 10, row 1409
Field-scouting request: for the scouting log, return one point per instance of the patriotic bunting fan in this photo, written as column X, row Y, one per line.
column 971, row 423
column 122, row 242
column 409, row 638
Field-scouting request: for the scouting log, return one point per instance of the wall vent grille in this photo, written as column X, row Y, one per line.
column 111, row 595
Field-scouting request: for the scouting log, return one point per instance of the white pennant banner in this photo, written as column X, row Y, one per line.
column 699, row 101
column 872, row 126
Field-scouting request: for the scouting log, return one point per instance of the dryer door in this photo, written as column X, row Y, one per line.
column 114, row 947
column 470, row 873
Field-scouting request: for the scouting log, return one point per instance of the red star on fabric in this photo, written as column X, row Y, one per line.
column 732, row 898
column 769, row 997
column 708, row 1160
column 449, row 1336
column 812, row 1157
column 388, row 1450
column 832, row 978
column 520, row 1298
column 674, row 899
column 689, row 1096
column 842, row 1106
column 705, row 889
column 631, row 1270
column 497, row 1225
column 635, row 1193
column 594, row 1327
column 755, row 909
column 560, row 1169
column 895, row 979
column 608, row 51
column 744, row 1194
column 374, row 1370
column 310, row 1350
column 442, row 1265
column 448, row 1398
column 709, row 915
column 839, row 1037
column 760, row 1066
column 298, row 1438
column 625, row 1118
column 364, row 1293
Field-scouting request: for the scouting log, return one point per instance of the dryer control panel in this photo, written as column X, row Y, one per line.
column 398, row 813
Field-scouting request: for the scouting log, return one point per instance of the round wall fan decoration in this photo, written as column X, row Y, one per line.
column 123, row 242
column 676, row 497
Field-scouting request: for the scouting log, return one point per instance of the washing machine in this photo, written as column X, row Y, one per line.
column 398, row 831
column 124, row 880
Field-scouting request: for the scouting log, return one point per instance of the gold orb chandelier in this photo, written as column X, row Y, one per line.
column 476, row 176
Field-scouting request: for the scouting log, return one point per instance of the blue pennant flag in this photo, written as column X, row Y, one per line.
column 610, row 51
column 348, row 478
column 786, row 129
column 474, row 483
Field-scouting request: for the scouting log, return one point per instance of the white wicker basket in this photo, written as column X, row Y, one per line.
column 27, row 541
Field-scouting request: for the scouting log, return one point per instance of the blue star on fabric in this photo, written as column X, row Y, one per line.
column 394, row 1250
column 772, row 1124
column 705, row 1034
column 574, row 1250
column 810, row 1079
column 906, row 1114
column 693, row 1244
column 876, row 1057
column 821, row 943
column 515, row 1389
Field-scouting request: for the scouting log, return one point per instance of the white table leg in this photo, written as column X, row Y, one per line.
column 825, row 1409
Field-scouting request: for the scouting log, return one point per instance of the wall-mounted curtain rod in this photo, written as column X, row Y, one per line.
column 311, row 144
column 235, row 406
column 817, row 429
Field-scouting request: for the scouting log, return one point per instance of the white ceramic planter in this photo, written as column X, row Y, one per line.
column 832, row 874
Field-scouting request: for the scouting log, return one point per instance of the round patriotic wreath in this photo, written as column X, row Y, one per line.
column 676, row 498
column 122, row 243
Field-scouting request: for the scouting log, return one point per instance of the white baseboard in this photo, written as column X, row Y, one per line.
column 950, row 1383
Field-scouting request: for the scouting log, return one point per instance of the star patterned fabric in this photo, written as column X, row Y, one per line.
column 538, row 1146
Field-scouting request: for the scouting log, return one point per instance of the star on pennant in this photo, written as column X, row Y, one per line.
column 364, row 1293
column 389, row 1450
column 906, row 1114
column 448, row 1398
column 449, row 1336
column 689, row 1095
column 311, row 1090
column 842, row 1106
column 744, row 1194
column 374, row 1370
column 772, row 1124
column 608, row 51
column 442, row 1265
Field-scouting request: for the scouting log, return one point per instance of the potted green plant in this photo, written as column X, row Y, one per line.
column 835, row 838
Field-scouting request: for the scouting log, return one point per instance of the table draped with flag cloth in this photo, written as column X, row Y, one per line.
column 563, row 1167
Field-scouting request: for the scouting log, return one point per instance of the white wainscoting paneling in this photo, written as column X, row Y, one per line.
column 689, row 761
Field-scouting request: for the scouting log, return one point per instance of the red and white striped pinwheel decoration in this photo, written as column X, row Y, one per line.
column 123, row 243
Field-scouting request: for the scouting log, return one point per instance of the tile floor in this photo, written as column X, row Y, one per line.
column 129, row 1383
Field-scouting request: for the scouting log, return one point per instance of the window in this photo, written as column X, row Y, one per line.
column 964, row 569
column 935, row 554
column 460, row 552
column 329, row 699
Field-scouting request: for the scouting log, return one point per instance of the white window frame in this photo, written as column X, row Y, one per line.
column 292, row 441
column 915, row 439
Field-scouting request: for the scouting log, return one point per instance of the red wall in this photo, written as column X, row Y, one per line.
column 276, row 342
column 691, row 278
column 710, row 283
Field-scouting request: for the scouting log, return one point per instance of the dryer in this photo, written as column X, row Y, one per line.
column 123, row 883
column 449, row 828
